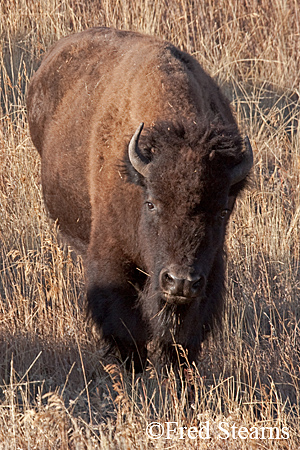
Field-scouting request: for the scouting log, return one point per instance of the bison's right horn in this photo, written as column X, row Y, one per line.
column 240, row 171
column 138, row 162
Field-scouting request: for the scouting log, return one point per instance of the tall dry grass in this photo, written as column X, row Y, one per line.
column 57, row 391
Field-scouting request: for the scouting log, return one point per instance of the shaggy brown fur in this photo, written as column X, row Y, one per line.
column 84, row 104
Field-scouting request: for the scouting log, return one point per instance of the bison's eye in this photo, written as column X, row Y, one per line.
column 224, row 213
column 150, row 206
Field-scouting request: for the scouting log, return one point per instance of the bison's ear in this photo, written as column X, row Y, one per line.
column 241, row 170
column 239, row 173
column 131, row 175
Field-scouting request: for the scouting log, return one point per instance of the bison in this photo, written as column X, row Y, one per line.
column 142, row 162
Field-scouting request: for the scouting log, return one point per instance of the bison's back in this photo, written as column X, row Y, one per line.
column 133, row 72
column 76, row 72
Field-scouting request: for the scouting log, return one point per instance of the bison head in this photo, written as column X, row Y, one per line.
column 189, row 175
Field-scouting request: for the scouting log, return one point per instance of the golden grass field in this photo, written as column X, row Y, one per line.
column 56, row 390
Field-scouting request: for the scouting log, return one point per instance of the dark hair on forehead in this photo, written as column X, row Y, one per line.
column 177, row 148
column 202, row 136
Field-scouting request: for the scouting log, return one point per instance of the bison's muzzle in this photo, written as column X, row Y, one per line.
column 180, row 290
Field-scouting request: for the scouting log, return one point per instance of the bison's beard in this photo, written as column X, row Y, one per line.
column 170, row 324
column 177, row 327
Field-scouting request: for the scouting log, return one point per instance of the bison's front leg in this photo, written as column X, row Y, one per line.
column 113, row 304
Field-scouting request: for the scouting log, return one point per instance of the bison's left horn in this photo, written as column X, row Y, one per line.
column 138, row 162
column 240, row 171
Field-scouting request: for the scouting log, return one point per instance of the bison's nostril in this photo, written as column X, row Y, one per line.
column 169, row 279
column 198, row 285
column 168, row 283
